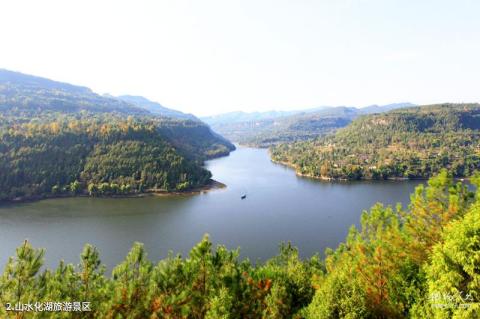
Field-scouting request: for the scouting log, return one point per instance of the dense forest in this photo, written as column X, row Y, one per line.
column 58, row 139
column 406, row 143
column 420, row 261
column 99, row 155
column 264, row 129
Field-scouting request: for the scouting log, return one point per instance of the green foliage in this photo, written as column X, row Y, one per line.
column 431, row 209
column 407, row 143
column 453, row 275
column 337, row 296
column 379, row 271
column 98, row 155
column 210, row 283
column 131, row 281
column 19, row 281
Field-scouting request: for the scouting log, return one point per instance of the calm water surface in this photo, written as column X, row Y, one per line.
column 279, row 207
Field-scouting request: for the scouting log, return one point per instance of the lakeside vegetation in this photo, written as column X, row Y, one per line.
column 99, row 155
column 58, row 139
column 420, row 261
column 405, row 143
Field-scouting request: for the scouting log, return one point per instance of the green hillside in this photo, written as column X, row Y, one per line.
column 193, row 139
column 98, row 155
column 61, row 139
column 406, row 143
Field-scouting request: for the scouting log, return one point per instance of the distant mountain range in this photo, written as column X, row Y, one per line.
column 155, row 108
column 22, row 94
column 28, row 94
column 239, row 116
column 267, row 128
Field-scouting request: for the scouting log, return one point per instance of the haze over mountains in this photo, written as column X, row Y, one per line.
column 240, row 116
column 155, row 108
column 27, row 94
column 267, row 128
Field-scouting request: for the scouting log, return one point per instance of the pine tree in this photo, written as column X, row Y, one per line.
column 19, row 282
column 431, row 209
column 453, row 276
column 378, row 256
column 130, row 284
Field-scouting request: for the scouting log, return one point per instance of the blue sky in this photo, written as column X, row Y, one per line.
column 207, row 57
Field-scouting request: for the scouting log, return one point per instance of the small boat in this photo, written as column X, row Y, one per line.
column 244, row 196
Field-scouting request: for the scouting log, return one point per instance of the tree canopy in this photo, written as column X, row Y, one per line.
column 406, row 143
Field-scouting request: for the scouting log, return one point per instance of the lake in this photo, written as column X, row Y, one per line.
column 279, row 207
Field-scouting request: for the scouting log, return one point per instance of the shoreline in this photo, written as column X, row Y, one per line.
column 292, row 166
column 210, row 186
column 331, row 179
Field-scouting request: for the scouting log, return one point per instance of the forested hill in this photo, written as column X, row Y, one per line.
column 59, row 139
column 101, row 155
column 194, row 139
column 264, row 129
column 406, row 143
